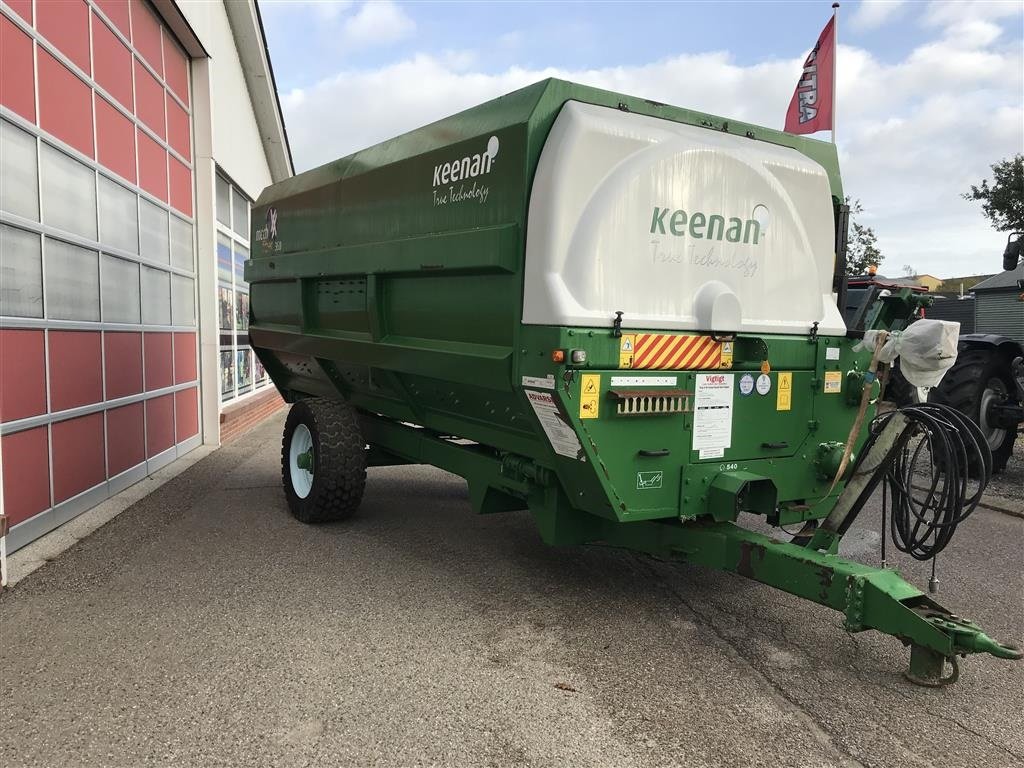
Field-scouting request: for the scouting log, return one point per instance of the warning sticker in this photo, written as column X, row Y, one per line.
column 712, row 418
column 784, row 398
column 833, row 382
column 646, row 481
column 590, row 395
column 726, row 361
column 626, row 348
column 555, row 425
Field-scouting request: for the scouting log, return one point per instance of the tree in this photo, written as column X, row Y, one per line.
column 1002, row 201
column 861, row 243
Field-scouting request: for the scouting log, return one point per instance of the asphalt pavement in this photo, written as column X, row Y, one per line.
column 205, row 627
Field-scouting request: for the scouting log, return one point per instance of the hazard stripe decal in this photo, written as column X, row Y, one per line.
column 666, row 351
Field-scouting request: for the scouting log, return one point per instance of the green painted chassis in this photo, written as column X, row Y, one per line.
column 509, row 466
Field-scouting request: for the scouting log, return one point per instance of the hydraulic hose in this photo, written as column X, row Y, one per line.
column 935, row 483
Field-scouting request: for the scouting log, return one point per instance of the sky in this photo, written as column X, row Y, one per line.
column 929, row 94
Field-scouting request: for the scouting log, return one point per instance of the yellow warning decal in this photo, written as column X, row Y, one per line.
column 590, row 395
column 784, row 394
column 726, row 361
column 626, row 348
column 833, row 382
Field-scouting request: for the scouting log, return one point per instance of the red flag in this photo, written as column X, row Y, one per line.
column 811, row 107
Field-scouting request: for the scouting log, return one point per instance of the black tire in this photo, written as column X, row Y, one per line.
column 335, row 488
column 900, row 391
column 980, row 373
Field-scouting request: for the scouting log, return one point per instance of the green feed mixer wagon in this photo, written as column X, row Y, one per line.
column 623, row 317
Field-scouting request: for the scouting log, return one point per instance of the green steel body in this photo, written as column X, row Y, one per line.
column 370, row 282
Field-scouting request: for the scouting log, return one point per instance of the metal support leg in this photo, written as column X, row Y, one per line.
column 928, row 668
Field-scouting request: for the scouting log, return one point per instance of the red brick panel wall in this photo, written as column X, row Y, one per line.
column 186, row 414
column 78, row 460
column 126, row 437
column 66, row 25
column 238, row 418
column 159, row 424
column 26, row 473
column 76, row 369
column 115, row 139
column 123, row 352
column 113, row 63
column 159, row 360
column 146, row 36
column 23, row 8
column 105, row 78
column 117, row 12
column 65, row 104
column 17, row 83
column 22, row 374
column 185, row 358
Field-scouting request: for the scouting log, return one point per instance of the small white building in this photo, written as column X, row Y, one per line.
column 133, row 138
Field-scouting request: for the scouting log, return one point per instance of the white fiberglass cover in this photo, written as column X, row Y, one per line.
column 678, row 227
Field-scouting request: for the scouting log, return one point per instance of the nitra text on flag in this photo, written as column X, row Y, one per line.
column 811, row 107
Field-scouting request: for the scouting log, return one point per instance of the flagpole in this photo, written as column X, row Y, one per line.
column 835, row 62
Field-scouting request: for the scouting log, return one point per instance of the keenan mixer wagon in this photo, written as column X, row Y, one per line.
column 619, row 315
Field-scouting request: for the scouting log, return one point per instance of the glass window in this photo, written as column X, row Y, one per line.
column 259, row 372
column 72, row 282
column 241, row 256
column 153, row 235
column 237, row 360
column 181, row 244
column 225, row 307
column 121, row 303
column 243, row 369
column 183, row 300
column 227, row 374
column 156, row 296
column 69, row 193
column 19, row 172
column 21, row 273
column 223, row 201
column 239, row 214
column 119, row 216
column 241, row 311
column 224, row 258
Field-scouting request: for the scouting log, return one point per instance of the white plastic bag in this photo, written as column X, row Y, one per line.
column 926, row 349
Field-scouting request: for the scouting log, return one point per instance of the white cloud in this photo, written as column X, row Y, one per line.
column 325, row 10
column 946, row 12
column 376, row 23
column 874, row 13
column 913, row 134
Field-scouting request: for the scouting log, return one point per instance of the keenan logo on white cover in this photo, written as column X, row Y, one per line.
column 468, row 167
column 701, row 226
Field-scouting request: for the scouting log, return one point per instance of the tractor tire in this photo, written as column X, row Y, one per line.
column 901, row 392
column 323, row 461
column 980, row 375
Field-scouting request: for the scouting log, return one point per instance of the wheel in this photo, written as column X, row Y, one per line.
column 980, row 378
column 323, row 461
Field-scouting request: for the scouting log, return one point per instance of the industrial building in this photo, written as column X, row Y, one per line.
column 134, row 137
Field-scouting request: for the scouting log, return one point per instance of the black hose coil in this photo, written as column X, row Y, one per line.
column 959, row 466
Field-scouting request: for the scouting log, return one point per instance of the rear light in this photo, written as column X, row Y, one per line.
column 578, row 356
column 558, row 356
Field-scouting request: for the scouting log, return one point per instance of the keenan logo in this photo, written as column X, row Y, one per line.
column 700, row 226
column 468, row 167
